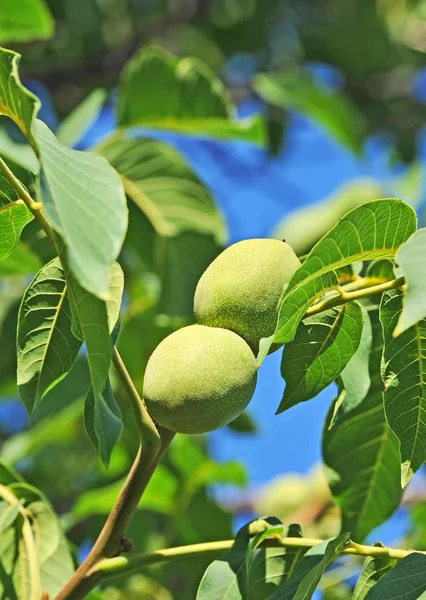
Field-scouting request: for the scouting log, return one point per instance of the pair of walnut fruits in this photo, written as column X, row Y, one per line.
column 201, row 377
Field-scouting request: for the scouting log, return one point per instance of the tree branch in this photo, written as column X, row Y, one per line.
column 345, row 297
column 122, row 565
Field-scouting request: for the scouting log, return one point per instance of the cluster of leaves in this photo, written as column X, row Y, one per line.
column 69, row 321
column 276, row 40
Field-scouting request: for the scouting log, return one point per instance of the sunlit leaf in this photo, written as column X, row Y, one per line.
column 75, row 125
column 373, row 230
column 16, row 102
column 411, row 261
column 161, row 92
column 85, row 202
column 13, row 218
column 34, row 556
column 25, row 21
column 298, row 91
column 361, row 453
column 304, row 226
column 46, row 346
column 321, row 349
column 404, row 377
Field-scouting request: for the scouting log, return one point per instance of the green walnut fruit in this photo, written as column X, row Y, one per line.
column 242, row 287
column 199, row 379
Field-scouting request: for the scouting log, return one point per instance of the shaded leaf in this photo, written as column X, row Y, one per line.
column 13, row 218
column 301, row 585
column 272, row 566
column 75, row 125
column 85, row 202
column 159, row 496
column 406, row 581
column 161, row 184
column 404, row 377
column 373, row 230
column 25, row 21
column 321, row 349
column 334, row 112
column 91, row 315
column 373, row 569
column 362, row 453
column 356, row 375
column 21, row 262
column 103, row 422
column 46, row 346
column 16, row 102
column 411, row 261
column 180, row 95
column 229, row 577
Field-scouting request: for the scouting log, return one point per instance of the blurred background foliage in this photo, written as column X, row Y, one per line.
column 349, row 71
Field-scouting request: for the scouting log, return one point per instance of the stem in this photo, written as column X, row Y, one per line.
column 120, row 565
column 109, row 542
column 145, row 424
column 345, row 297
column 23, row 194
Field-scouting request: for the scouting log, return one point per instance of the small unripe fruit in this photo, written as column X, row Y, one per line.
column 242, row 287
column 199, row 379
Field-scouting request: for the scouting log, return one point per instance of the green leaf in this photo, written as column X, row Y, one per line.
column 411, row 261
column 161, row 92
column 84, row 200
column 160, row 183
column 301, row 585
column 16, row 102
column 176, row 214
column 13, row 218
column 197, row 469
column 21, row 262
column 406, row 581
column 404, row 377
column 103, row 422
column 373, row 230
column 244, row 423
column 25, row 21
column 46, row 346
column 115, row 295
column 91, row 315
column 272, row 566
column 356, row 375
column 8, row 515
column 321, row 349
column 230, row 577
column 373, row 569
column 159, row 496
column 33, row 555
column 362, row 454
column 304, row 226
column 76, row 124
column 334, row 112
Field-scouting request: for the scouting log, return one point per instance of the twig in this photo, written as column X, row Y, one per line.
column 120, row 565
column 345, row 297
